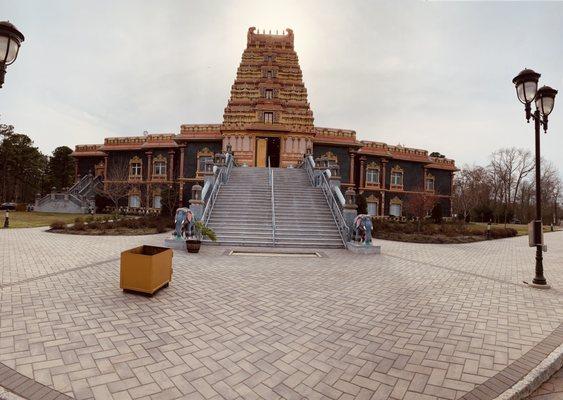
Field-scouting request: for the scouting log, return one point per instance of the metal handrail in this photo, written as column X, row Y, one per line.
column 333, row 203
column 271, row 182
column 222, row 175
column 84, row 182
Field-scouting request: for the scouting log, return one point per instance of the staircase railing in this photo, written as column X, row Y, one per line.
column 271, row 183
column 333, row 204
column 223, row 175
column 83, row 183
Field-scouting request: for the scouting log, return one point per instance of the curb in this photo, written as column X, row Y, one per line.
column 519, row 379
column 537, row 376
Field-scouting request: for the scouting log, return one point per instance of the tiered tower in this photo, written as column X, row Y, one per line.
column 268, row 100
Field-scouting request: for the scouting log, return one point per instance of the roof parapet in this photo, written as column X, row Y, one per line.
column 255, row 38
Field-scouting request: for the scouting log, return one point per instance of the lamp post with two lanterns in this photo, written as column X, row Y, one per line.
column 526, row 83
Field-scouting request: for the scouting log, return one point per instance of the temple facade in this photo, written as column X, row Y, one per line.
column 267, row 122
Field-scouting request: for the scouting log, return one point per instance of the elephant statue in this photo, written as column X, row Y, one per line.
column 188, row 226
column 179, row 220
column 362, row 229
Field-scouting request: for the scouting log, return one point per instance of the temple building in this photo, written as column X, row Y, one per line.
column 268, row 121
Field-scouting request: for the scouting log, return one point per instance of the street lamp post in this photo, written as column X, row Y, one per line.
column 527, row 91
column 10, row 42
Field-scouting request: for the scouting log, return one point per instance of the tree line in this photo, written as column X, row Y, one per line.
column 503, row 191
column 25, row 171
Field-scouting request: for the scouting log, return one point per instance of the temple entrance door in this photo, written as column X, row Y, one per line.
column 274, row 151
column 261, row 152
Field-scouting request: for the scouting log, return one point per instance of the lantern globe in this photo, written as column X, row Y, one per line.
column 545, row 100
column 10, row 41
column 526, row 83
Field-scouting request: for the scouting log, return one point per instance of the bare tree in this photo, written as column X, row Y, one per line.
column 508, row 168
column 169, row 197
column 419, row 204
column 471, row 188
column 116, row 184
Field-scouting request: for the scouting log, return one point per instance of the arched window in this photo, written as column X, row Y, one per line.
column 396, row 207
column 159, row 166
column 157, row 199
column 135, row 168
column 372, row 205
column 135, row 198
column 372, row 174
column 397, row 178
column 429, row 183
column 203, row 156
column 156, row 202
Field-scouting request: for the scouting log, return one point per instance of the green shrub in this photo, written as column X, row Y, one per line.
column 58, row 225
column 78, row 220
column 89, row 219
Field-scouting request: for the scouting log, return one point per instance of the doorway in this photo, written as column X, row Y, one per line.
column 268, row 147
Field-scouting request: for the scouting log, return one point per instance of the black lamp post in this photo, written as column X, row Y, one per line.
column 10, row 41
column 527, row 90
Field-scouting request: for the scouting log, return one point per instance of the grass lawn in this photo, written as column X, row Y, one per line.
column 522, row 229
column 23, row 219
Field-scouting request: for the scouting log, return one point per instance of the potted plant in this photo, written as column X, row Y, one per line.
column 193, row 243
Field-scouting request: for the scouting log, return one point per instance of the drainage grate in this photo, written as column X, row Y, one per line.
column 274, row 254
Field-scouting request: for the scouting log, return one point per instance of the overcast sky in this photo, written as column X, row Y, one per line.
column 431, row 75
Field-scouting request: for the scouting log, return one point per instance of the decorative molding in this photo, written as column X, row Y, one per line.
column 396, row 200
column 205, row 152
column 330, row 156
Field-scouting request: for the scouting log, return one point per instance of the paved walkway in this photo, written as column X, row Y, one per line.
column 418, row 322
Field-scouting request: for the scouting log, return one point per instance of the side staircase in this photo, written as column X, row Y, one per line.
column 77, row 199
column 248, row 212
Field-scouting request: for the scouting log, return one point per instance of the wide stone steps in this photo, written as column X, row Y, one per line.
column 242, row 214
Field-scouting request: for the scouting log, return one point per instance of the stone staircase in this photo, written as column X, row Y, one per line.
column 77, row 199
column 242, row 215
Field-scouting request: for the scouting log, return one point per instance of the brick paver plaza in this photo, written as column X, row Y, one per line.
column 417, row 322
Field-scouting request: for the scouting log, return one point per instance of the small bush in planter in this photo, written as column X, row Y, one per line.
column 193, row 243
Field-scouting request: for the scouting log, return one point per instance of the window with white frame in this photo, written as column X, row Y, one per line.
column 269, row 117
column 372, row 174
column 395, row 210
column 203, row 156
column 136, row 167
column 372, row 205
column 157, row 202
column 269, row 94
column 134, row 201
column 429, row 183
column 396, row 178
column 159, row 168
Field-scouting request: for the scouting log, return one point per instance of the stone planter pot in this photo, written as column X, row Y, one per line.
column 193, row 245
column 145, row 269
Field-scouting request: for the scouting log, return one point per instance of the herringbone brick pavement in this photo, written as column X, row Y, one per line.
column 417, row 322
